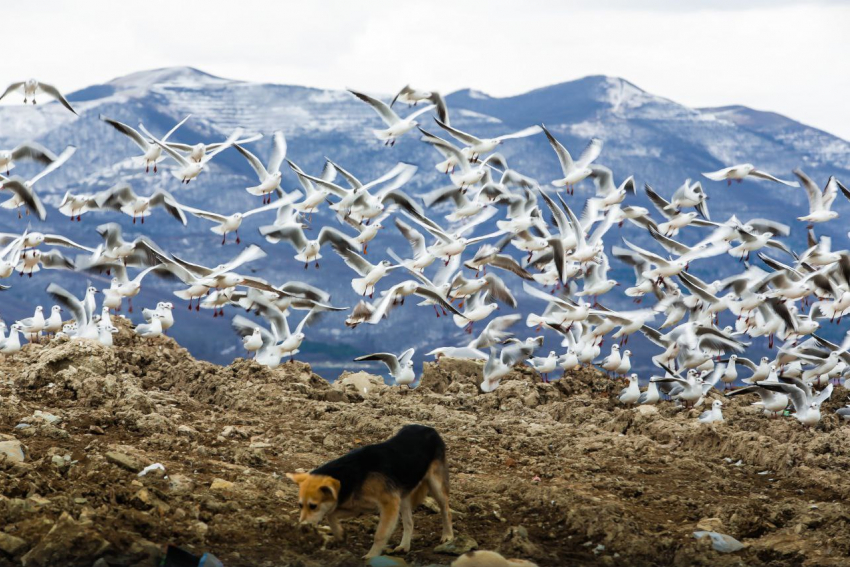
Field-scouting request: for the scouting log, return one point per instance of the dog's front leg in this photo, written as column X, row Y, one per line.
column 407, row 525
column 386, row 525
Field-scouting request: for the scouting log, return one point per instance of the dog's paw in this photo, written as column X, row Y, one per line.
column 400, row 549
column 446, row 537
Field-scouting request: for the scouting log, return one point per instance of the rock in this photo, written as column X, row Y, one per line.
column 721, row 542
column 187, row 431
column 458, row 546
column 48, row 418
column 710, row 525
column 363, row 383
column 12, row 451
column 334, row 396
column 95, row 430
column 221, row 484
column 132, row 464
column 516, row 540
column 180, row 484
column 647, row 410
column 10, row 544
column 67, row 543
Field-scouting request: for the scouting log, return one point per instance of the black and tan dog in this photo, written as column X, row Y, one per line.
column 393, row 476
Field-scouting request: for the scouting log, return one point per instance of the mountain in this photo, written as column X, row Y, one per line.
column 657, row 140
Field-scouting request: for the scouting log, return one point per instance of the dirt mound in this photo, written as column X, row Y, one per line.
column 553, row 473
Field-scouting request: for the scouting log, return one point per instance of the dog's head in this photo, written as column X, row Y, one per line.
column 317, row 495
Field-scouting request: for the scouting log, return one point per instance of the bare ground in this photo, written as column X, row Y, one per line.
column 555, row 473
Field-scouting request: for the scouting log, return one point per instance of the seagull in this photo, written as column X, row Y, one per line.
column 27, row 150
column 121, row 197
column 152, row 329
column 771, row 401
column 12, row 343
column 574, row 171
column 631, row 393
column 806, row 402
column 81, row 311
column 24, row 195
column 401, row 367
column 370, row 273
column 31, row 88
column 164, row 310
column 714, row 414
column 307, row 250
column 475, row 146
column 612, row 362
column 188, row 169
column 231, row 223
column 396, row 126
column 545, row 365
column 152, row 153
column 53, row 324
column 269, row 176
column 500, row 365
column 476, row 309
column 739, row 172
column 820, row 202
column 253, row 342
column 650, row 396
column 32, row 326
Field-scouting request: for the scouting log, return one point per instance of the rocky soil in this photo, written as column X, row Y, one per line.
column 558, row 473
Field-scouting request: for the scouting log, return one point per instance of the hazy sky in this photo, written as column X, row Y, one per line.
column 789, row 57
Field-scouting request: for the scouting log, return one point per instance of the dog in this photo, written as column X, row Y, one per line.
column 394, row 476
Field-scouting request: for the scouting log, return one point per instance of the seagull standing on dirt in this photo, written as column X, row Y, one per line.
column 401, row 367
column 714, row 414
column 631, row 393
column 31, row 88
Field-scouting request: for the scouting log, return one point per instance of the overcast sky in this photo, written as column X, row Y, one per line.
column 789, row 57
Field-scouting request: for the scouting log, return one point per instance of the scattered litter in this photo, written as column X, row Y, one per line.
column 721, row 542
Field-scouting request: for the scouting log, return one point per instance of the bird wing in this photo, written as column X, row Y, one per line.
column 720, row 174
column 590, row 153
column 52, row 91
column 562, row 153
column 26, row 196
column 525, row 132
column 387, row 358
column 164, row 199
column 278, row 151
column 254, row 162
column 794, row 393
column 354, row 260
column 812, row 191
column 55, row 164
column 11, row 88
column 467, row 139
column 293, row 234
column 659, row 202
column 765, row 175
column 69, row 302
column 34, row 151
column 128, row 131
column 413, row 236
column 59, row 240
column 386, row 113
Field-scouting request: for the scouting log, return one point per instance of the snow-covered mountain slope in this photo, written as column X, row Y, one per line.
column 655, row 139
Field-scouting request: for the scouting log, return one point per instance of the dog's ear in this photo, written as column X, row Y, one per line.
column 297, row 478
column 330, row 488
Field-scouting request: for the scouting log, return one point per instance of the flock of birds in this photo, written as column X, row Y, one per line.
column 559, row 256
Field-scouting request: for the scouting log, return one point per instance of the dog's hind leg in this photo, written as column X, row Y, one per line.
column 406, row 524
column 386, row 525
column 438, row 483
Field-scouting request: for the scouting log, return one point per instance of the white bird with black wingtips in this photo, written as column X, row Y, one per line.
column 400, row 367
